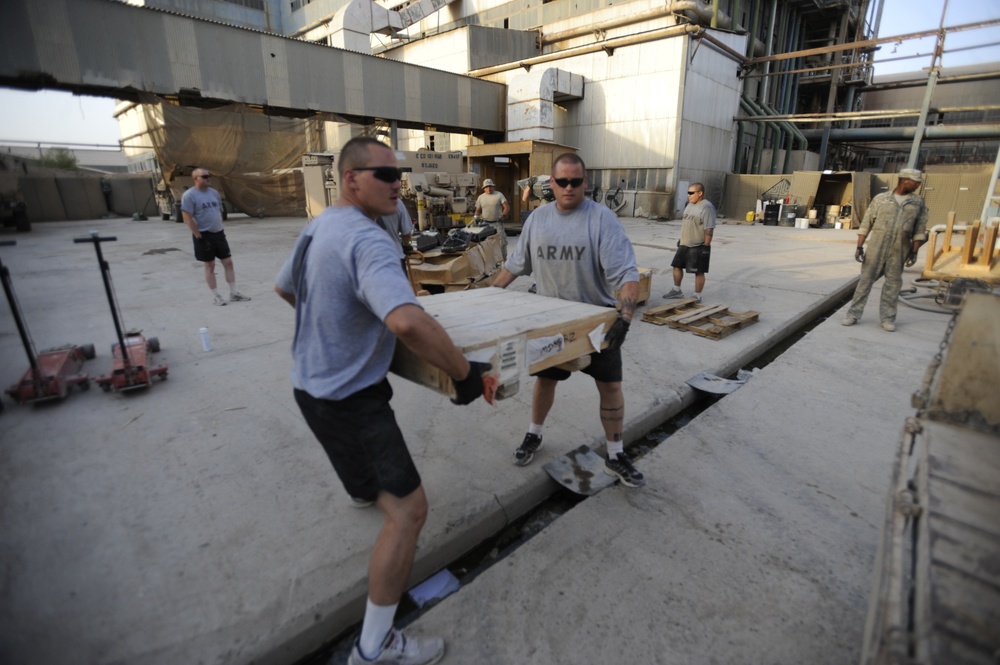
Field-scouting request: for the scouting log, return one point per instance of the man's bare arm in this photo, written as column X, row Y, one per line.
column 504, row 278
column 422, row 334
column 287, row 297
column 627, row 299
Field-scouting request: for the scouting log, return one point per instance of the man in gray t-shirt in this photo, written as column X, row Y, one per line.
column 352, row 302
column 577, row 250
column 694, row 246
column 201, row 206
column 398, row 224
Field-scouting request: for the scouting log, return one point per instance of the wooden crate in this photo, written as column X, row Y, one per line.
column 517, row 332
column 645, row 286
column 712, row 321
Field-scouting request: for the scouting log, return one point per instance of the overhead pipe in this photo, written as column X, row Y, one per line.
column 693, row 10
column 605, row 45
column 931, row 133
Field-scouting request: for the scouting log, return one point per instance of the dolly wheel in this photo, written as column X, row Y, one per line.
column 85, row 384
column 153, row 344
column 88, row 351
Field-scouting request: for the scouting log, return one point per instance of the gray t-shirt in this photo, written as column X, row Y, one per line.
column 697, row 217
column 350, row 279
column 398, row 224
column 582, row 255
column 206, row 207
column 491, row 205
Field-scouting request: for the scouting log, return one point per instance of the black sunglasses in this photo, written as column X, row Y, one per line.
column 693, row 193
column 204, row 177
column 389, row 174
column 566, row 182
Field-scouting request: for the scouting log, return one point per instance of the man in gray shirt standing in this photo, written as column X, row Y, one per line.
column 577, row 250
column 693, row 249
column 202, row 209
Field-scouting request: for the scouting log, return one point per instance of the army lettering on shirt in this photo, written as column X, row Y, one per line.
column 553, row 253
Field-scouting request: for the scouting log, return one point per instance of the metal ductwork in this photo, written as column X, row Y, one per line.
column 353, row 23
column 531, row 101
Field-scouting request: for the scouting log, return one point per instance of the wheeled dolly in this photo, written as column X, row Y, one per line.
column 51, row 373
column 130, row 364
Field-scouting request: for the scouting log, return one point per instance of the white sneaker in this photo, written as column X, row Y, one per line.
column 360, row 503
column 236, row 296
column 697, row 296
column 219, row 300
column 398, row 649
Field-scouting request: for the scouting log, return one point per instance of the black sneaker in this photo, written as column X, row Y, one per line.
column 526, row 451
column 621, row 466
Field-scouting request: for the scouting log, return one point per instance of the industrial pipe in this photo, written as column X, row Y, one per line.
column 675, row 7
column 606, row 45
column 932, row 132
column 751, row 108
column 779, row 131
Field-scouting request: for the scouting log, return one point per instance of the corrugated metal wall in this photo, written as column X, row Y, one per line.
column 103, row 47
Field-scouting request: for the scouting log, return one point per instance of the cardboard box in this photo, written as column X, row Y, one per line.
column 456, row 271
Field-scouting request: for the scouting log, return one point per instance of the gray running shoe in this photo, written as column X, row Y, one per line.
column 398, row 649
column 219, row 300
column 236, row 296
column 674, row 293
column 621, row 466
column 526, row 451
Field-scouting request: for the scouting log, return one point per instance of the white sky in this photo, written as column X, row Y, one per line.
column 59, row 117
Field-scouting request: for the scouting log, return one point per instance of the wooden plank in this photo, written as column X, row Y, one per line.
column 505, row 323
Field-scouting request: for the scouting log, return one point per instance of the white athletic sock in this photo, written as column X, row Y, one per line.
column 615, row 448
column 377, row 624
column 535, row 429
column 232, row 287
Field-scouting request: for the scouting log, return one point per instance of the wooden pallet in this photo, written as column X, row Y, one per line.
column 712, row 321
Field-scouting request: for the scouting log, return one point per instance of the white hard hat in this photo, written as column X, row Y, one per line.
column 488, row 183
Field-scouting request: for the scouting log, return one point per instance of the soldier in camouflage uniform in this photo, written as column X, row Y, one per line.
column 897, row 224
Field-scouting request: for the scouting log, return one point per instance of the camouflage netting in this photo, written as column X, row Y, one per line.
column 252, row 154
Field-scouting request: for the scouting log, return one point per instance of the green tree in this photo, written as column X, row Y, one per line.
column 58, row 158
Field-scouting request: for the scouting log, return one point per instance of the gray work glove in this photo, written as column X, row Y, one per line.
column 616, row 336
column 470, row 388
column 859, row 255
column 911, row 259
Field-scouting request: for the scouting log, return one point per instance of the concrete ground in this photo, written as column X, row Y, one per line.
column 200, row 522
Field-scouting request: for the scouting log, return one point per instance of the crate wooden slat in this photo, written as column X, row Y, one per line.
column 712, row 321
column 489, row 318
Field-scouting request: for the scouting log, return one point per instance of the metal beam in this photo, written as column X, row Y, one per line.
column 112, row 49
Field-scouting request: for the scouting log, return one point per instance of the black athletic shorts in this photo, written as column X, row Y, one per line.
column 360, row 436
column 605, row 366
column 691, row 259
column 211, row 246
